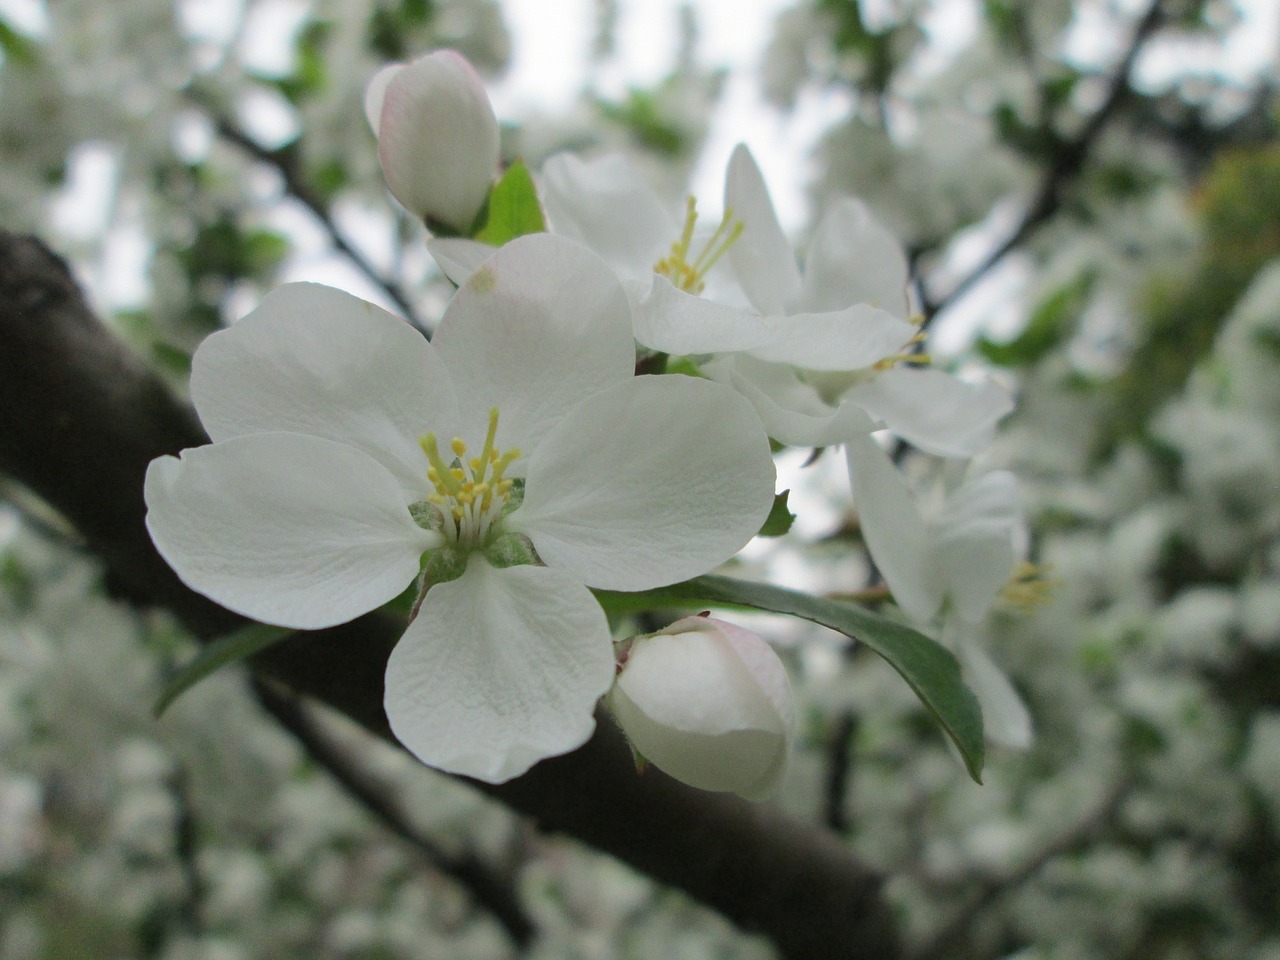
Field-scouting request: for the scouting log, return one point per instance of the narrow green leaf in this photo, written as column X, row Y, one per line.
column 512, row 209
column 928, row 667
column 780, row 517
column 235, row 646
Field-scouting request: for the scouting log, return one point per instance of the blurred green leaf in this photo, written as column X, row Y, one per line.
column 1050, row 323
column 15, row 46
column 232, row 648
column 640, row 112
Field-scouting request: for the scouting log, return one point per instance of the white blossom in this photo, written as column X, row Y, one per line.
column 437, row 136
column 708, row 703
column 326, row 485
column 953, row 562
column 823, row 353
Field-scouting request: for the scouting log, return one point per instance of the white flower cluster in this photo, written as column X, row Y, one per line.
column 515, row 462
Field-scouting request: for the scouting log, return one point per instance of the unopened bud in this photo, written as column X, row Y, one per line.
column 708, row 703
column 437, row 136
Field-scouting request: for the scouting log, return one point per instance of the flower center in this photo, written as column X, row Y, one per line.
column 1029, row 586
column 470, row 493
column 688, row 275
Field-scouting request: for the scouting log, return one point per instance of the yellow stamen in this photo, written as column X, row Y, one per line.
column 468, row 490
column 676, row 266
column 439, row 474
column 1029, row 586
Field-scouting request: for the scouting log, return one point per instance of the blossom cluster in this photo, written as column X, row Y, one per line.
column 496, row 475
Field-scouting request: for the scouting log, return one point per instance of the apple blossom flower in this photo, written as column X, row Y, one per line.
column 326, row 490
column 822, row 354
column 842, row 355
column 708, row 703
column 954, row 563
column 437, row 136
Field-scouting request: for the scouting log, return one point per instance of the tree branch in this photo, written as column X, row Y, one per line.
column 80, row 419
column 1067, row 163
column 942, row 943
column 491, row 891
column 282, row 161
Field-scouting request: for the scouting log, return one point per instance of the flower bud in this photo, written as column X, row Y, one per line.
column 437, row 136
column 709, row 704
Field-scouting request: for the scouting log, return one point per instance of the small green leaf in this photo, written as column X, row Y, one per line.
column 512, row 209
column 780, row 517
column 928, row 667
column 235, row 646
column 15, row 46
column 1051, row 322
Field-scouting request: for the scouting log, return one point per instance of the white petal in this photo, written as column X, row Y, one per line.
column 893, row 529
column 680, row 323
column 606, row 205
column 975, row 535
column 792, row 411
column 314, row 360
column 854, row 259
column 438, row 138
column 708, row 704
column 849, row 339
column 284, row 528
column 762, row 259
column 375, row 92
column 1005, row 718
column 542, row 326
column 652, row 482
column 501, row 668
column 933, row 410
column 458, row 258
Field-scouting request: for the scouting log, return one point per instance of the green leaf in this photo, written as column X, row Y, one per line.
column 1050, row 323
column 780, row 517
column 226, row 650
column 512, row 209
column 929, row 669
column 15, row 46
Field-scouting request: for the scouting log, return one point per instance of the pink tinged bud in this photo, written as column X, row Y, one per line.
column 437, row 136
column 709, row 704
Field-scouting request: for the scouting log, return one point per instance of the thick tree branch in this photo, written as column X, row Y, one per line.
column 80, row 418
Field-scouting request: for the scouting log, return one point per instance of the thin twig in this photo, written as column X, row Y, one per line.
column 941, row 943
column 1067, row 163
column 491, row 891
column 282, row 161
column 186, row 848
column 839, row 755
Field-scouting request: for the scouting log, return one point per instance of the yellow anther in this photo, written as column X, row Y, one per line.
column 443, row 480
column 1029, row 586
column 467, row 490
column 676, row 267
column 888, row 363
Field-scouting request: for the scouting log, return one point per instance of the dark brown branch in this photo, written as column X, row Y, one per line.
column 1068, row 161
column 81, row 417
column 839, row 757
column 283, row 162
column 491, row 891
